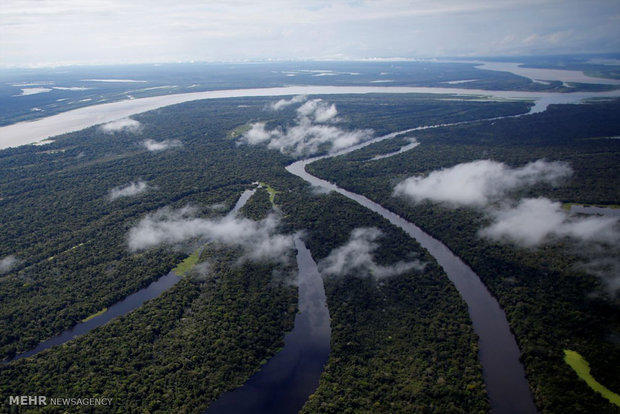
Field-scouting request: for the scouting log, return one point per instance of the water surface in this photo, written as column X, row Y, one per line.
column 123, row 307
column 546, row 74
column 503, row 373
column 284, row 384
column 29, row 132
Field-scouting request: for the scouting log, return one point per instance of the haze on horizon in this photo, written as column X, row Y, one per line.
column 66, row 32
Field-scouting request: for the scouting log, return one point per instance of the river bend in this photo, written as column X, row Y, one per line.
column 503, row 373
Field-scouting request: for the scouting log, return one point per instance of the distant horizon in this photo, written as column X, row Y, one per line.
column 102, row 32
column 437, row 59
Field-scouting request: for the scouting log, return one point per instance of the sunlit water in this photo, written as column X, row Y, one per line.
column 545, row 75
column 33, row 131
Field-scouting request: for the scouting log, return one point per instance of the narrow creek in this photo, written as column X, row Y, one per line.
column 503, row 373
column 122, row 307
column 298, row 366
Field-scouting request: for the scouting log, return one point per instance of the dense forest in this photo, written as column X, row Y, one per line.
column 551, row 302
column 65, row 222
column 399, row 344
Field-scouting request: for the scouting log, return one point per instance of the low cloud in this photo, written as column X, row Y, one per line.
column 480, row 182
column 312, row 132
column 7, row 264
column 356, row 257
column 202, row 270
column 122, row 125
column 283, row 103
column 259, row 240
column 318, row 111
column 534, row 221
column 607, row 268
column 153, row 145
column 129, row 190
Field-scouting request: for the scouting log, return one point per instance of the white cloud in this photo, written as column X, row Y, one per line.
column 71, row 88
column 153, row 145
column 7, row 264
column 480, row 182
column 129, row 190
column 283, row 103
column 607, row 268
column 534, row 221
column 202, row 270
column 310, row 134
column 259, row 239
column 356, row 257
column 318, row 110
column 33, row 91
column 125, row 124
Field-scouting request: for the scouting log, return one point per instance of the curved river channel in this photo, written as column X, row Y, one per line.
column 283, row 385
column 308, row 344
column 122, row 307
column 503, row 373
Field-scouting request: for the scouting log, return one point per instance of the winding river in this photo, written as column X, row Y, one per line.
column 29, row 132
column 283, row 385
column 503, row 373
column 124, row 306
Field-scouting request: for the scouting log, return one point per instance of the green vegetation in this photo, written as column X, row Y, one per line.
column 176, row 353
column 53, row 202
column 187, row 264
column 272, row 192
column 101, row 312
column 215, row 327
column 401, row 344
column 237, row 132
column 550, row 301
column 582, row 368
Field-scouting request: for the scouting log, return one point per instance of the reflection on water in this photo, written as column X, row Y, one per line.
column 402, row 149
column 285, row 382
column 124, row 306
column 543, row 74
column 503, row 373
column 33, row 131
column 131, row 302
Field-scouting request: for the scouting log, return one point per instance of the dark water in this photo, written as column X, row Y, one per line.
column 503, row 373
column 124, row 306
column 131, row 302
column 285, row 382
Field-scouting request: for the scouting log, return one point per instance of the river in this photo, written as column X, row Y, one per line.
column 284, row 384
column 124, row 306
column 503, row 373
column 544, row 75
column 30, row 132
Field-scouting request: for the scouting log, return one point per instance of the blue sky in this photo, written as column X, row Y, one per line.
column 60, row 32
